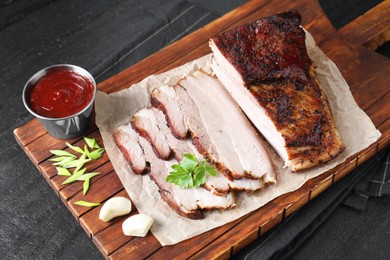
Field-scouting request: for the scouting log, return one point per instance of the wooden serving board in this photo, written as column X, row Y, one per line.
column 351, row 48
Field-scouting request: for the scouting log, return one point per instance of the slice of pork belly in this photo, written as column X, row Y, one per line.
column 144, row 122
column 289, row 107
column 218, row 128
column 127, row 141
column 165, row 99
column 216, row 184
column 185, row 202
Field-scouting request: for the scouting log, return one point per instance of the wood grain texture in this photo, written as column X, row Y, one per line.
column 111, row 238
column 367, row 154
column 366, row 73
column 26, row 137
column 89, row 222
column 100, row 190
column 139, row 248
column 297, row 202
column 321, row 186
column 345, row 169
column 372, row 29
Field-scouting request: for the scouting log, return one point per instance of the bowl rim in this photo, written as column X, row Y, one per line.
column 43, row 72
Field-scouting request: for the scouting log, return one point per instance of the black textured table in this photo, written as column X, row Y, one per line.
column 106, row 37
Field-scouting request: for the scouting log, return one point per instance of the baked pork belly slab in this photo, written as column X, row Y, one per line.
column 127, row 141
column 265, row 67
column 185, row 202
column 218, row 128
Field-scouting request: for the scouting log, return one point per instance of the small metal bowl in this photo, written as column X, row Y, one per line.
column 67, row 127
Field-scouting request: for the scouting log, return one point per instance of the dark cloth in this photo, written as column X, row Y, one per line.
column 284, row 239
column 374, row 184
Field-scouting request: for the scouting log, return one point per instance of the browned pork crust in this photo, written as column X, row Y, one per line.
column 269, row 48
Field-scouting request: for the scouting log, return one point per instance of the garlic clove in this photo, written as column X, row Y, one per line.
column 137, row 225
column 115, row 207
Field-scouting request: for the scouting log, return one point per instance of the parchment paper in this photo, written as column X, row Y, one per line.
column 355, row 127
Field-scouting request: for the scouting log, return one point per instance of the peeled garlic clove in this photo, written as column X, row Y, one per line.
column 137, row 225
column 115, row 207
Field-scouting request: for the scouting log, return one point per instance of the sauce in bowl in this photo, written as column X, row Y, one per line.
column 60, row 94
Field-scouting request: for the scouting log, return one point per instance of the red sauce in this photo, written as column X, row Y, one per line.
column 60, row 94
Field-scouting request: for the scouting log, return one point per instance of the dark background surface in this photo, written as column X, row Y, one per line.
column 106, row 37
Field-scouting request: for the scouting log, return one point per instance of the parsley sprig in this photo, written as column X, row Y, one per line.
column 190, row 173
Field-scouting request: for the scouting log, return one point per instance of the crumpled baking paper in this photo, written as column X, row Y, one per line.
column 355, row 127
